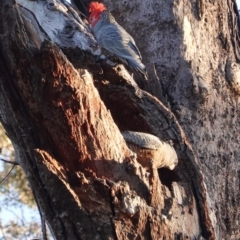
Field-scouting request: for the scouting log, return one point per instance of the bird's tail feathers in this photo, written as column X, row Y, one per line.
column 138, row 66
column 134, row 65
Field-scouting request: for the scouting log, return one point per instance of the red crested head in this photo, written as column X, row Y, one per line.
column 95, row 8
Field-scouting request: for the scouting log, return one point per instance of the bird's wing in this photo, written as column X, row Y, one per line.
column 116, row 40
column 133, row 46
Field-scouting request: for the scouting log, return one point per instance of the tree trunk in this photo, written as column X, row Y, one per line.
column 64, row 110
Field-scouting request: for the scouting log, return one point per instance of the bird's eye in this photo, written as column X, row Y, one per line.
column 91, row 19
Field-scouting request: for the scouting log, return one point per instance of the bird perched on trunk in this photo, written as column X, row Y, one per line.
column 114, row 38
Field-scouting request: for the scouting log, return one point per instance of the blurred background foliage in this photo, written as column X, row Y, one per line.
column 19, row 217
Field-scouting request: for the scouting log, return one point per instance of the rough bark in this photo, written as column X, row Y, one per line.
column 195, row 49
column 55, row 98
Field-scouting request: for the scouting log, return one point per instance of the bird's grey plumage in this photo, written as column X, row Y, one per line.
column 114, row 38
column 143, row 140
